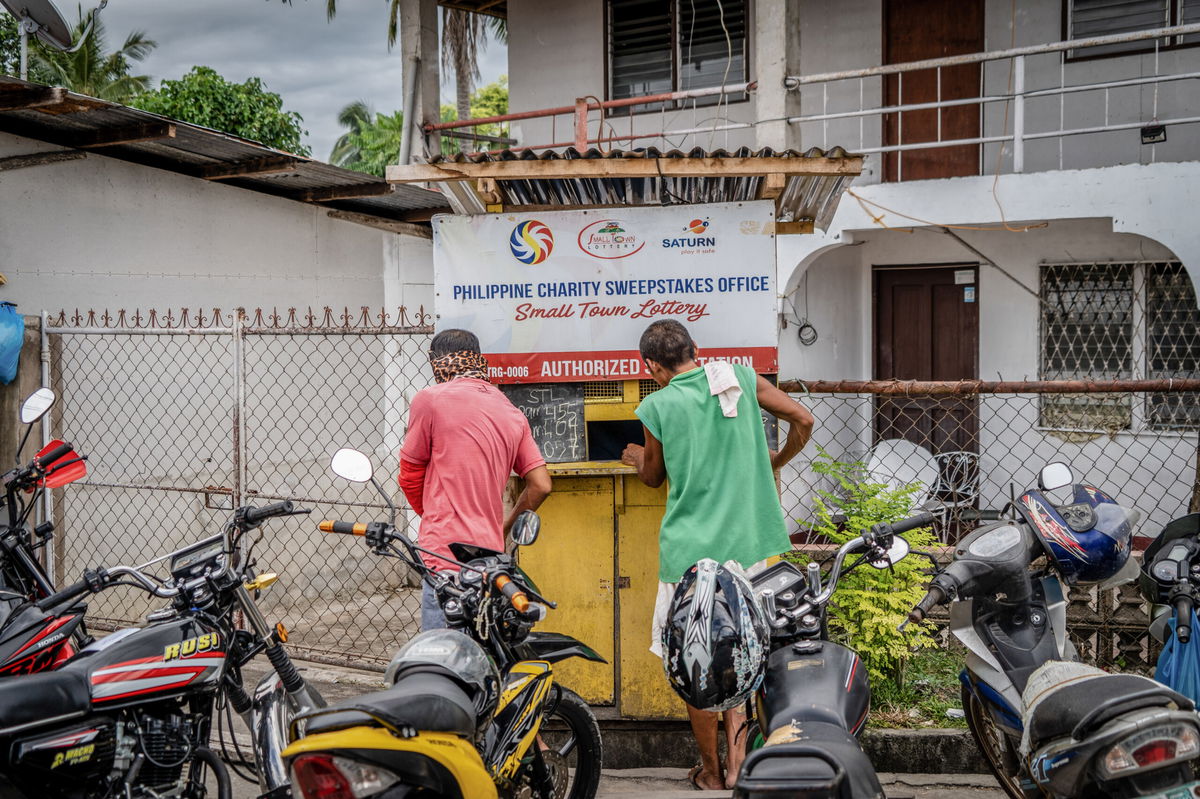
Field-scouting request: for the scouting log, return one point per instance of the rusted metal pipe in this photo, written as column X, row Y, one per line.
column 953, row 388
column 606, row 104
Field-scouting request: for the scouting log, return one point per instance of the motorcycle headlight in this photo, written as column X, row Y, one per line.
column 331, row 777
column 1151, row 748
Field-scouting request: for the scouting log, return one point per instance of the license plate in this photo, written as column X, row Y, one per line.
column 1189, row 791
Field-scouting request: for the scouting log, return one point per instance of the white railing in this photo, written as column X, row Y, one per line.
column 1017, row 95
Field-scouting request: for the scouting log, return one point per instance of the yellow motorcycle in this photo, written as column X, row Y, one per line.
column 473, row 711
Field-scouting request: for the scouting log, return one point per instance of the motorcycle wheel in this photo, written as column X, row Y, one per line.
column 993, row 743
column 571, row 736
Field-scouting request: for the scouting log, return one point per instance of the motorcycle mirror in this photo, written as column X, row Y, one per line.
column 351, row 465
column 897, row 552
column 37, row 405
column 526, row 528
column 1055, row 475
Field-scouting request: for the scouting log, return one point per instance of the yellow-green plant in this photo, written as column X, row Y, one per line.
column 870, row 604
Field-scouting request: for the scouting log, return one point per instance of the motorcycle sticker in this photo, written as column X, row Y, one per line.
column 201, row 643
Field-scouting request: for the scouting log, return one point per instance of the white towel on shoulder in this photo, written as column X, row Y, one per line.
column 723, row 384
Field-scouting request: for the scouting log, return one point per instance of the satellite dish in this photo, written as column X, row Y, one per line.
column 42, row 19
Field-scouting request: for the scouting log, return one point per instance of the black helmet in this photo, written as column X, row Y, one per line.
column 451, row 653
column 715, row 638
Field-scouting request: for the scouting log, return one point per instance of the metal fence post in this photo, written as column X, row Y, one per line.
column 1018, row 114
column 239, row 408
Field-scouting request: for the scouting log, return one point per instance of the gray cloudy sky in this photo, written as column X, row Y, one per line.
column 316, row 66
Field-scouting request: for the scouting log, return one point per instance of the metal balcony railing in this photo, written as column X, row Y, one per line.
column 871, row 116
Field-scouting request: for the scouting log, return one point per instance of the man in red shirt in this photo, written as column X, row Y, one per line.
column 464, row 439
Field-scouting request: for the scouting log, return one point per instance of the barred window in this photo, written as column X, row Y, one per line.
column 1118, row 321
column 1088, row 18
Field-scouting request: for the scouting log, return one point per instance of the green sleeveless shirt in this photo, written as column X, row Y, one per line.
column 721, row 501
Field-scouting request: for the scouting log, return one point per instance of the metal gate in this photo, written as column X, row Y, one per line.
column 186, row 416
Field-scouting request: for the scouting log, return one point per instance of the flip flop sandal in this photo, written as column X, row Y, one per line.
column 693, row 776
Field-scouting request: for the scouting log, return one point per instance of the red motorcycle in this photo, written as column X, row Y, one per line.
column 32, row 639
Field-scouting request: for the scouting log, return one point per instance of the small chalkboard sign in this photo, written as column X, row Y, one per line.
column 555, row 414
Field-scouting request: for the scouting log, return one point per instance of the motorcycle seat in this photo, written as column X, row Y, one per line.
column 812, row 759
column 49, row 696
column 1096, row 701
column 423, row 701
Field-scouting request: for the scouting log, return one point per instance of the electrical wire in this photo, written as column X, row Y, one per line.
column 878, row 219
column 807, row 332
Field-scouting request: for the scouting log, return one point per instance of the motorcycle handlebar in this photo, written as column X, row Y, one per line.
column 514, row 593
column 54, row 454
column 348, row 528
column 935, row 596
column 253, row 516
column 921, row 519
column 1183, row 617
column 92, row 582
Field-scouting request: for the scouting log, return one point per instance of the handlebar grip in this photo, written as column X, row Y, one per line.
column 54, row 454
column 921, row 519
column 1183, row 618
column 92, row 581
column 935, row 596
column 514, row 593
column 349, row 528
column 256, row 515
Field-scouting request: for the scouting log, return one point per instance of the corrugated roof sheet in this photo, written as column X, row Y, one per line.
column 803, row 197
column 77, row 121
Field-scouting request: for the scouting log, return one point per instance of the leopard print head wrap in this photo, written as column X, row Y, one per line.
column 463, row 363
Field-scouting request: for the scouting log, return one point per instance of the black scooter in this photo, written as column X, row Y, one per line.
column 813, row 702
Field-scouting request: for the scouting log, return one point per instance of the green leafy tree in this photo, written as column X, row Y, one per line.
column 870, row 604
column 203, row 97
column 372, row 140
column 92, row 69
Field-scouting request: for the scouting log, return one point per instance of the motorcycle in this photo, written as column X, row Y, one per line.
column 131, row 714
column 813, row 702
column 32, row 639
column 1046, row 724
column 1170, row 580
column 430, row 734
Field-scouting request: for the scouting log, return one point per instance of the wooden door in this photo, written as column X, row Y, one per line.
column 927, row 328
column 914, row 30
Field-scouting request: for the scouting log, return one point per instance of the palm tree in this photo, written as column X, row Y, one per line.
column 355, row 117
column 91, row 70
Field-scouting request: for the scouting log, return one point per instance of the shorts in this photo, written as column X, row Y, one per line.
column 666, row 592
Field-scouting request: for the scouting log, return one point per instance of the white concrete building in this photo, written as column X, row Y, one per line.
column 1025, row 212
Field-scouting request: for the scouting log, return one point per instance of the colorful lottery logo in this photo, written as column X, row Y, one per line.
column 531, row 242
column 608, row 239
column 696, row 226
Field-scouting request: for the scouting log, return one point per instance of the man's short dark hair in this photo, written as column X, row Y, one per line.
column 453, row 340
column 668, row 343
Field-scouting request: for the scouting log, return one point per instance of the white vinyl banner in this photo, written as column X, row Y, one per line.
column 565, row 295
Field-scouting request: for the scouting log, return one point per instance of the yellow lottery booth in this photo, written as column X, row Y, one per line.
column 559, row 301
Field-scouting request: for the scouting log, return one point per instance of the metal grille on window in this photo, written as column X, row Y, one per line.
column 1086, row 332
column 1172, row 344
column 1088, row 18
column 646, row 388
column 602, row 392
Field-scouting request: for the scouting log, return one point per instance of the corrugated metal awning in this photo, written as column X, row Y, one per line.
column 806, row 186
column 82, row 123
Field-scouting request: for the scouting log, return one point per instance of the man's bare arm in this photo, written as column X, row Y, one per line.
column 537, row 487
column 800, row 421
column 652, row 469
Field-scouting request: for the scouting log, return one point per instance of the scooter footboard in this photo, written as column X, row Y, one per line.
column 824, row 762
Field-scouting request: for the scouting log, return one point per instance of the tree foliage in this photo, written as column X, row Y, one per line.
column 372, row 140
column 247, row 109
column 870, row 604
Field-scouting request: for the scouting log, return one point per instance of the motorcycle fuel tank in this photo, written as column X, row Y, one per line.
column 34, row 640
column 814, row 681
column 166, row 658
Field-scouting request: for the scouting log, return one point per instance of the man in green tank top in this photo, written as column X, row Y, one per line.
column 704, row 434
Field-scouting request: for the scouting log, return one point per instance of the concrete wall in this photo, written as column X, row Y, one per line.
column 103, row 233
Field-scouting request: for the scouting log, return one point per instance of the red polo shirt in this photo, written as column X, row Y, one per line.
column 470, row 438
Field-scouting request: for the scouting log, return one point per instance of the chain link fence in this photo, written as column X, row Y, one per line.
column 972, row 447
column 184, row 418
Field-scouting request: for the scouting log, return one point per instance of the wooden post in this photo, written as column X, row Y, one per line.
column 581, row 124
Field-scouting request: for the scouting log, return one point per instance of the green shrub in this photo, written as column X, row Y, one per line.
column 870, row 604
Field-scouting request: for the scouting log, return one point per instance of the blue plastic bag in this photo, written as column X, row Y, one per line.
column 1179, row 664
column 12, row 336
